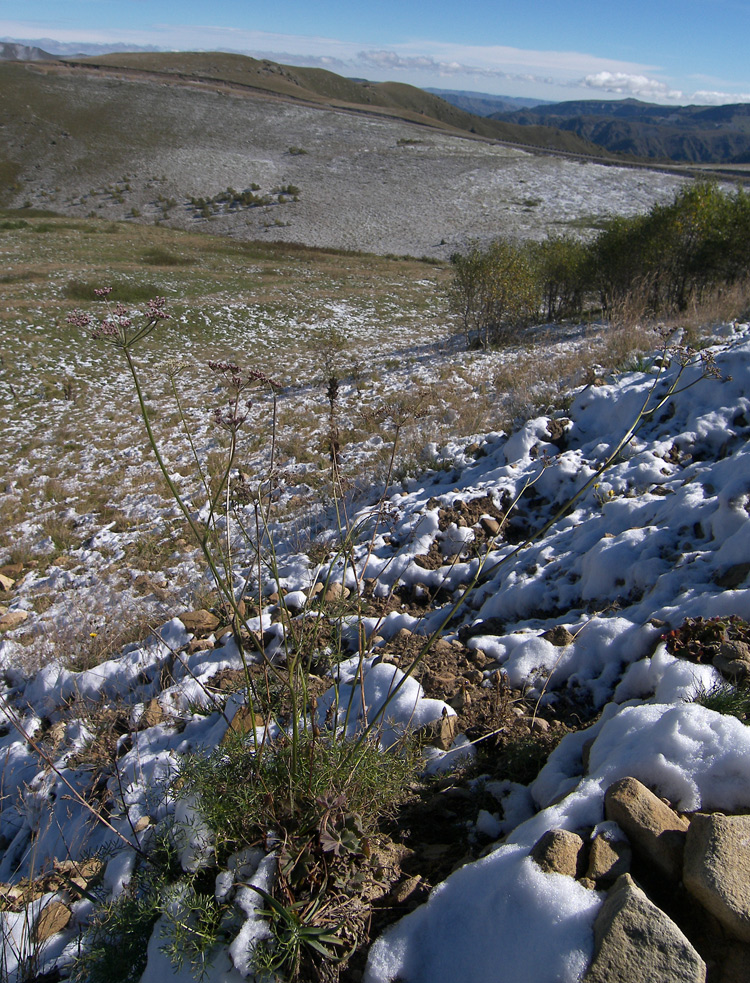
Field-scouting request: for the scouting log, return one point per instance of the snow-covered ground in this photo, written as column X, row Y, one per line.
column 648, row 544
column 365, row 182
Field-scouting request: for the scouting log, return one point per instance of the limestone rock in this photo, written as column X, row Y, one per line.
column 735, row 966
column 559, row 636
column 491, row 526
column 12, row 620
column 634, row 942
column 336, row 592
column 441, row 733
column 6, row 582
column 244, row 721
column 200, row 621
column 733, row 660
column 608, row 859
column 559, row 852
column 717, row 869
column 655, row 831
column 733, row 576
column 152, row 715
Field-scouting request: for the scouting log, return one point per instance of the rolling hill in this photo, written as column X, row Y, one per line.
column 319, row 86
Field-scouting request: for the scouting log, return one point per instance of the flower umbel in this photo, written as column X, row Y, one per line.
column 119, row 326
column 236, row 382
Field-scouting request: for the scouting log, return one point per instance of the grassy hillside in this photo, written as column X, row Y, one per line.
column 319, row 86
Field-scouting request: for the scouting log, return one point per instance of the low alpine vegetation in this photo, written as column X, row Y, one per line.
column 660, row 264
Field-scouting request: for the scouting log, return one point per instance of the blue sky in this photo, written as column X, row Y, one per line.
column 669, row 51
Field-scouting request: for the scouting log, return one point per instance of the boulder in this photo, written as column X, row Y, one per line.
column 200, row 621
column 560, row 852
column 717, row 869
column 656, row 832
column 608, row 859
column 635, row 942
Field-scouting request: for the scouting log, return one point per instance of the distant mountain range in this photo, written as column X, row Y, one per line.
column 61, row 49
column 484, row 103
column 17, row 51
column 687, row 134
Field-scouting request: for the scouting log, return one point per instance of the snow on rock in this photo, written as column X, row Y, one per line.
column 486, row 922
column 382, row 696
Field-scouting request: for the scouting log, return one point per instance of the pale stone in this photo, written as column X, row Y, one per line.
column 12, row 620
column 608, row 859
column 200, row 621
column 656, row 832
column 559, row 852
column 336, row 592
column 244, row 721
column 635, row 942
column 441, row 733
column 717, row 869
column 491, row 526
column 6, row 582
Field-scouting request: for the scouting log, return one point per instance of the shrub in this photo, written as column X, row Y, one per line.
column 494, row 291
column 561, row 265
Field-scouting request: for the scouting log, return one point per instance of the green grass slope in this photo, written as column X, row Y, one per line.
column 317, row 85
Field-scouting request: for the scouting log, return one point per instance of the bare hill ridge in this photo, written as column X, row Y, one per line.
column 84, row 140
column 320, row 86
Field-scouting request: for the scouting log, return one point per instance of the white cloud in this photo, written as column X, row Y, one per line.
column 638, row 86
column 653, row 90
column 707, row 98
column 391, row 61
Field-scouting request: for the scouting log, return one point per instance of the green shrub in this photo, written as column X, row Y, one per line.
column 157, row 256
column 495, row 291
column 562, row 267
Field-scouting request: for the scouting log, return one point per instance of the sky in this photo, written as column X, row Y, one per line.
column 666, row 51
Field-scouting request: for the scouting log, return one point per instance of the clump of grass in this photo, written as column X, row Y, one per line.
column 244, row 792
column 733, row 701
column 115, row 947
column 124, row 292
column 158, row 256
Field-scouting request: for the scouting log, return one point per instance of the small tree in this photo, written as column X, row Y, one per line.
column 561, row 267
column 465, row 289
column 494, row 291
